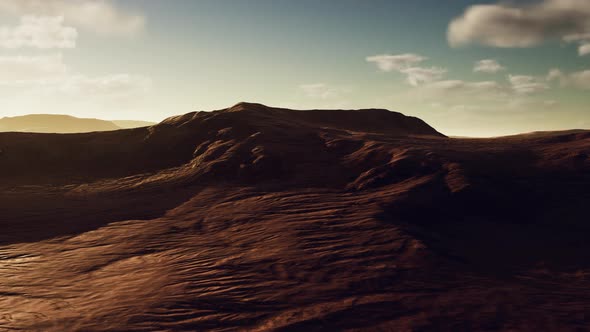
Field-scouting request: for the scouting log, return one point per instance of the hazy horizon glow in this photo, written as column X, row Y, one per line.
column 470, row 68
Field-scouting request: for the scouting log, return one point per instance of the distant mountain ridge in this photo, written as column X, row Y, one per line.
column 63, row 124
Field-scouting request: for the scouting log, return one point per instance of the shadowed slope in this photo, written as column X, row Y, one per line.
column 265, row 219
column 84, row 157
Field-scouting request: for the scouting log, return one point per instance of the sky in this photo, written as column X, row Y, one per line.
column 468, row 68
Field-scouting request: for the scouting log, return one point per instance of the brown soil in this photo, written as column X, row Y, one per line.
column 254, row 218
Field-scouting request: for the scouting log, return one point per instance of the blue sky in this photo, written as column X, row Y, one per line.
column 449, row 63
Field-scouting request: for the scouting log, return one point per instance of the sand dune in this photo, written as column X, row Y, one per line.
column 264, row 219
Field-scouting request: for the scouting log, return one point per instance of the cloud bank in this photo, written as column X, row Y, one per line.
column 39, row 32
column 98, row 16
column 579, row 80
column 48, row 74
column 506, row 25
column 525, row 84
column 19, row 69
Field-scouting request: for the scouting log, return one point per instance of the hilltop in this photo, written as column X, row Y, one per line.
column 267, row 219
column 65, row 124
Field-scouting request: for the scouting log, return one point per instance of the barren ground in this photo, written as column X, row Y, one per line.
column 262, row 219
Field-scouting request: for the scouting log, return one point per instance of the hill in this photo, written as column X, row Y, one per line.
column 128, row 124
column 50, row 123
column 64, row 124
column 265, row 219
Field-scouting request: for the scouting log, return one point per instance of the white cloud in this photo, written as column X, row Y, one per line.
column 581, row 38
column 81, row 86
column 555, row 75
column 419, row 75
column 517, row 94
column 406, row 64
column 99, row 16
column 448, row 93
column 42, row 82
column 388, row 62
column 39, row 32
column 465, row 87
column 109, row 85
column 525, row 103
column 505, row 25
column 578, row 80
column 524, row 84
column 584, row 49
column 488, row 66
column 577, row 37
column 48, row 74
column 320, row 91
column 19, row 69
column 460, row 92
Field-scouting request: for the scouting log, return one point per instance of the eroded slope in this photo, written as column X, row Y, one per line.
column 254, row 218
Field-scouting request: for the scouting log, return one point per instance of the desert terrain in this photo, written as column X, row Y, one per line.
column 255, row 218
column 64, row 124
